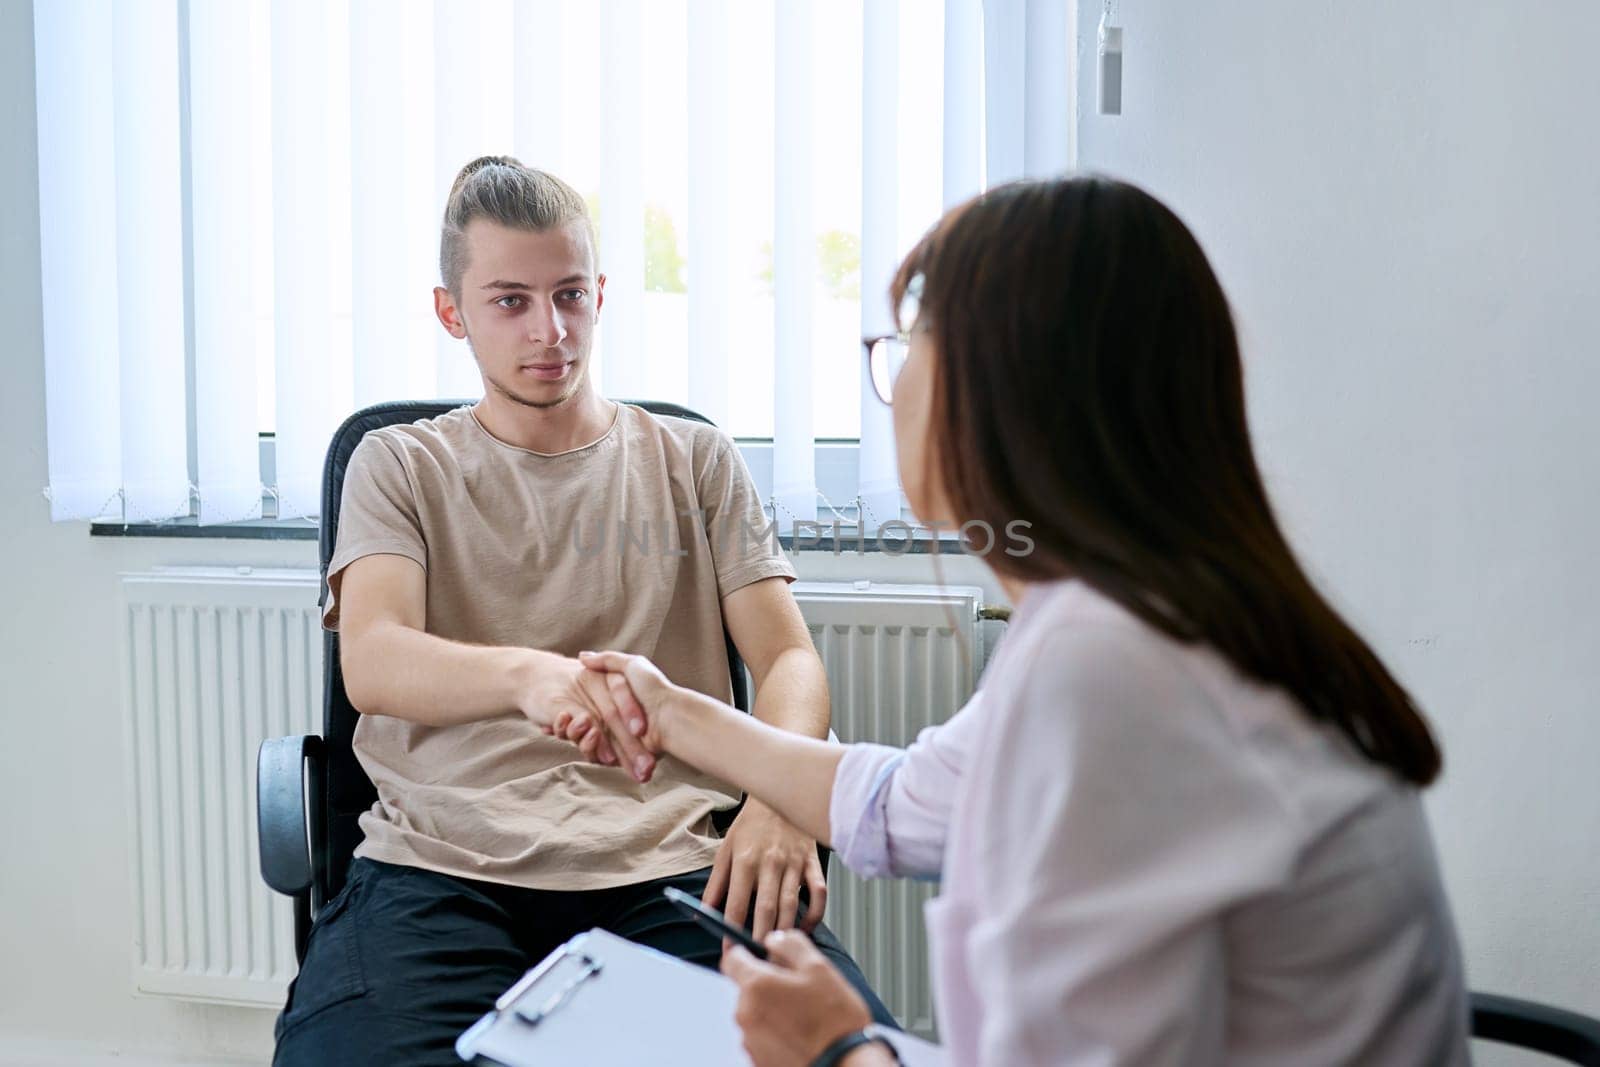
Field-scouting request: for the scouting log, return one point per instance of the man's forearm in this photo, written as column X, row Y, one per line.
column 794, row 694
column 391, row 669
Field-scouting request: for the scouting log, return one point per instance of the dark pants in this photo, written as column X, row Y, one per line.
column 403, row 960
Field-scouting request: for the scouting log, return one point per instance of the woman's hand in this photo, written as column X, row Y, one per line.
column 563, row 693
column 638, row 703
column 795, row 1004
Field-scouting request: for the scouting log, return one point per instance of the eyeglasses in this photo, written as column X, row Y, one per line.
column 886, row 355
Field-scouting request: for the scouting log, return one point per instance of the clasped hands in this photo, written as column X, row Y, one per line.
column 612, row 710
column 620, row 710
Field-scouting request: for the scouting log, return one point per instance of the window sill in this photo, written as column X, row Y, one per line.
column 835, row 470
column 302, row 530
column 260, row 530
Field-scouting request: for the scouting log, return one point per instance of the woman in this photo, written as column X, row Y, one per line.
column 1180, row 822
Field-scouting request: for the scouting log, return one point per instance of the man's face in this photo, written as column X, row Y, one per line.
column 528, row 305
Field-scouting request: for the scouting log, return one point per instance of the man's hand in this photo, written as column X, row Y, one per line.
column 765, row 857
column 566, row 699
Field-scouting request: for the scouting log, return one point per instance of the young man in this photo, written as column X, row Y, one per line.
column 477, row 553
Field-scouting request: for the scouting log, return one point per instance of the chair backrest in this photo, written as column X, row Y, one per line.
column 346, row 791
column 1566, row 1035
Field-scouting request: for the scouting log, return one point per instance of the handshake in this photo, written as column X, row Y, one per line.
column 614, row 706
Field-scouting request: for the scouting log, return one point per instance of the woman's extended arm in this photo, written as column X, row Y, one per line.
column 884, row 811
column 791, row 774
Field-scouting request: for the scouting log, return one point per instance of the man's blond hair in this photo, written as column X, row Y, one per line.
column 504, row 190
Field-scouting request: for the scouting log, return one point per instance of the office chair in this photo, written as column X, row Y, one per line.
column 310, row 789
column 1524, row 1024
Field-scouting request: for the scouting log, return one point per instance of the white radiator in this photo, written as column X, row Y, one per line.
column 899, row 658
column 217, row 659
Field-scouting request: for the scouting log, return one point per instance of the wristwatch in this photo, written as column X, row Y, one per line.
column 872, row 1035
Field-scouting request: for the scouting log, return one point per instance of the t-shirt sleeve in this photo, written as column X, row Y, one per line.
column 377, row 516
column 744, row 543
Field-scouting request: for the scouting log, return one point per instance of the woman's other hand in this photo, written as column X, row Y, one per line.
column 793, row 1005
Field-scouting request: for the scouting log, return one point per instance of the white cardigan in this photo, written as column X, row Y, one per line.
column 1149, row 859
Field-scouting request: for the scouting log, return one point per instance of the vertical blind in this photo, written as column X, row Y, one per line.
column 271, row 175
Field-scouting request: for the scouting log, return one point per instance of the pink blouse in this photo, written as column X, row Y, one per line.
column 1149, row 859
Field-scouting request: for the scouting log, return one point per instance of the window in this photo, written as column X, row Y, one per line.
column 756, row 169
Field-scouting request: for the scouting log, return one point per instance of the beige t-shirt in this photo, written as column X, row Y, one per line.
column 627, row 543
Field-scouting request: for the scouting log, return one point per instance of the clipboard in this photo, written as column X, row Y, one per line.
column 600, row 999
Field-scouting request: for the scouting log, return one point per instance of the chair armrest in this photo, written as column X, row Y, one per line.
column 288, row 771
column 1541, row 1027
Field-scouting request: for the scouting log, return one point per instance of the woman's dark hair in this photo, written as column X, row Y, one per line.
column 1089, row 383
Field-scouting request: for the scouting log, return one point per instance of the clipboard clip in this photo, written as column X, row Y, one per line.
column 589, row 968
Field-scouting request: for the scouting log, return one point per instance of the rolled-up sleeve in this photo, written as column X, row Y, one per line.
column 890, row 808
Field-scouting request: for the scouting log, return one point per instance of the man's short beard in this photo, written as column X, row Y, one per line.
column 541, row 405
column 537, row 405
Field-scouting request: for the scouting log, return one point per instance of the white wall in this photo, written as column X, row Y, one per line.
column 1402, row 202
